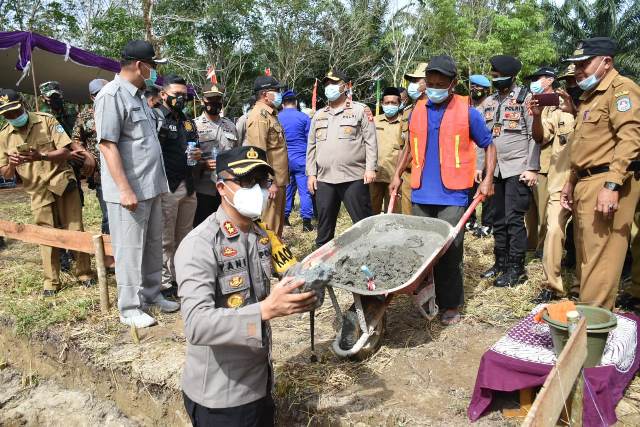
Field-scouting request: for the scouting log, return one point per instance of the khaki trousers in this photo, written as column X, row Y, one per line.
column 405, row 200
column 380, row 193
column 557, row 218
column 178, row 211
column 634, row 289
column 602, row 243
column 535, row 219
column 273, row 214
column 64, row 213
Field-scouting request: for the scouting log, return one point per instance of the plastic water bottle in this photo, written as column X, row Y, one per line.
column 191, row 146
column 214, row 155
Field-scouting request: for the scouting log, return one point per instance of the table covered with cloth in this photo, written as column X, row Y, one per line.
column 524, row 357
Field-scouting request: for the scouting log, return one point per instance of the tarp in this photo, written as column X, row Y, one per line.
column 22, row 53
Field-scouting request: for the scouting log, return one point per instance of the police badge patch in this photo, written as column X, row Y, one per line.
column 187, row 126
column 623, row 104
column 59, row 129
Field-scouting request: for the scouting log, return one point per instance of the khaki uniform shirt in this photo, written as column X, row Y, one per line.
column 223, row 274
column 42, row 179
column 123, row 117
column 406, row 114
column 342, row 143
column 607, row 129
column 265, row 131
column 516, row 149
column 221, row 134
column 389, row 140
column 545, row 148
column 558, row 129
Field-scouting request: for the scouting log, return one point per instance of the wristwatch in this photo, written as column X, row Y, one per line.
column 611, row 186
column 44, row 156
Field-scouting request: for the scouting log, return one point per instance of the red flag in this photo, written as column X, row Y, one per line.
column 314, row 95
column 267, row 72
column 211, row 75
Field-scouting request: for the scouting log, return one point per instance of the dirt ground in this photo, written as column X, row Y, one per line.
column 423, row 375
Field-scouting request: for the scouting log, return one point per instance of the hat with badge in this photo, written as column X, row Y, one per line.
column 334, row 76
column 141, row 50
column 50, row 88
column 266, row 83
column 569, row 72
column 96, row 86
column 9, row 100
column 242, row 160
column 419, row 73
column 443, row 64
column 506, row 65
column 479, row 80
column 595, row 46
column 542, row 72
column 213, row 89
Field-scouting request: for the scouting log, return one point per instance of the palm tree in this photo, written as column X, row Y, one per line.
column 578, row 19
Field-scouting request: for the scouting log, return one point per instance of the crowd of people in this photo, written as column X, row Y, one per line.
column 556, row 160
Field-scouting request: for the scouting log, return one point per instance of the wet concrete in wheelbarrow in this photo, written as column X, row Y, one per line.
column 390, row 251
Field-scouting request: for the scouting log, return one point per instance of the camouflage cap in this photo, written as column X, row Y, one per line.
column 49, row 88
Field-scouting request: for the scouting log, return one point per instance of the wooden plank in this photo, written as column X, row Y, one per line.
column 557, row 388
column 526, row 400
column 65, row 239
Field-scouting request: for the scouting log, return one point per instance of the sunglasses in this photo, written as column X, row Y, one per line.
column 250, row 182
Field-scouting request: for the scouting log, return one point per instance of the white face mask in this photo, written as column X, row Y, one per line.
column 249, row 202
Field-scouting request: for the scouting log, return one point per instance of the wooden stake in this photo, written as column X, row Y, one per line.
column 33, row 80
column 102, row 273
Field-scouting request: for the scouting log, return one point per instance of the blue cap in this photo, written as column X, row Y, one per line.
column 480, row 80
column 288, row 94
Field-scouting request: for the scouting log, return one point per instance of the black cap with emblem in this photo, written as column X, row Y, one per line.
column 595, row 46
column 242, row 160
column 9, row 100
column 505, row 64
column 334, row 76
column 542, row 71
column 266, row 83
column 141, row 50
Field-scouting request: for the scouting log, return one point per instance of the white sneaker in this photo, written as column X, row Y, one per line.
column 163, row 304
column 139, row 319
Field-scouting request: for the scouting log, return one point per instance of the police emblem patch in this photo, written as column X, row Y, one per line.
column 252, row 154
column 229, row 252
column 236, row 282
column 623, row 104
column 235, row 300
column 188, row 126
column 513, row 124
column 264, row 240
column 59, row 129
column 229, row 228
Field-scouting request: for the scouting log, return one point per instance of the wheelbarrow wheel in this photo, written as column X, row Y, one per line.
column 351, row 332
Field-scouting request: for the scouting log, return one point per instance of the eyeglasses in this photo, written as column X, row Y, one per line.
column 246, row 182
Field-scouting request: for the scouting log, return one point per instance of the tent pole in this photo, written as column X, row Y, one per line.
column 33, row 79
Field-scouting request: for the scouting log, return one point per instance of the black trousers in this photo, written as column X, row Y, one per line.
column 511, row 202
column 356, row 199
column 488, row 212
column 260, row 413
column 206, row 206
column 448, row 271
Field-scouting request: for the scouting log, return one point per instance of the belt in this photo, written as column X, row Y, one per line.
column 634, row 166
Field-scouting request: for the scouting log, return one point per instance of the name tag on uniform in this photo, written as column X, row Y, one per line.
column 496, row 130
column 173, row 128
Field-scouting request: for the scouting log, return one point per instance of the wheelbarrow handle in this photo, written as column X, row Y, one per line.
column 392, row 202
column 467, row 214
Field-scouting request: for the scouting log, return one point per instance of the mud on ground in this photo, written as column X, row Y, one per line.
column 423, row 374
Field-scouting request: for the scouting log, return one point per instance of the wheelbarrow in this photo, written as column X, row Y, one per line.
column 420, row 285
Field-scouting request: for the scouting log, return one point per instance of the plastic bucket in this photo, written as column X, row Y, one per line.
column 600, row 322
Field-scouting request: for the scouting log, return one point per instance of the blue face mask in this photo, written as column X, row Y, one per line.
column 19, row 121
column 332, row 92
column 390, row 110
column 590, row 82
column 437, row 96
column 277, row 99
column 536, row 87
column 153, row 76
column 413, row 92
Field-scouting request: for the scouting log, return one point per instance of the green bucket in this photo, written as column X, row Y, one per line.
column 600, row 322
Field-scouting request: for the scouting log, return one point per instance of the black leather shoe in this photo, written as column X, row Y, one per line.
column 89, row 283
column 65, row 261
column 628, row 302
column 48, row 293
column 172, row 292
column 498, row 268
column 545, row 296
column 515, row 275
column 306, row 225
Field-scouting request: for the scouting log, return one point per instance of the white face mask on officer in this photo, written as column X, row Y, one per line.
column 249, row 202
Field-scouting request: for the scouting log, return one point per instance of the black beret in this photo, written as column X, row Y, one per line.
column 390, row 91
column 506, row 65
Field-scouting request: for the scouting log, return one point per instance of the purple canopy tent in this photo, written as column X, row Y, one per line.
column 29, row 59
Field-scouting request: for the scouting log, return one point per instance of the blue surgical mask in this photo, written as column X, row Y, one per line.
column 153, row 76
column 536, row 87
column 437, row 96
column 413, row 91
column 591, row 81
column 390, row 110
column 277, row 99
column 401, row 107
column 332, row 92
column 20, row 120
